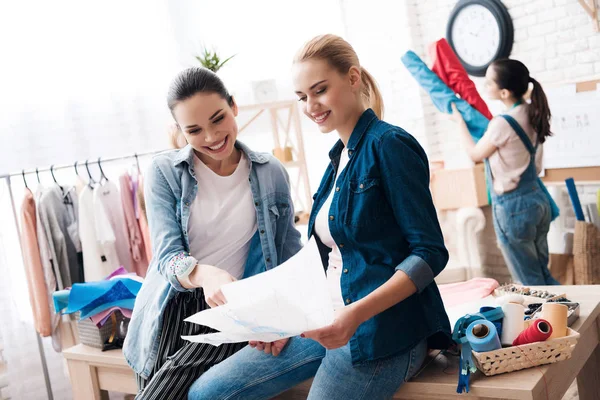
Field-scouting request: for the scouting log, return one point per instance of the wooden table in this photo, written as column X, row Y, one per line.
column 92, row 370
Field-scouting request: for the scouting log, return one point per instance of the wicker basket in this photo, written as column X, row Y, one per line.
column 514, row 358
column 586, row 254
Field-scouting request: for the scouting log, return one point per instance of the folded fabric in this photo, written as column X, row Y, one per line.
column 61, row 299
column 93, row 297
column 454, row 294
column 448, row 68
column 100, row 319
column 442, row 96
column 88, row 312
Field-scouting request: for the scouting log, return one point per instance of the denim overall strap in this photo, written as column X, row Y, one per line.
column 530, row 174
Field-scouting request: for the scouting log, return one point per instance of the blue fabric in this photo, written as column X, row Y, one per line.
column 90, row 295
column 383, row 220
column 170, row 187
column 442, row 96
column 521, row 220
column 61, row 299
column 252, row 374
column 93, row 297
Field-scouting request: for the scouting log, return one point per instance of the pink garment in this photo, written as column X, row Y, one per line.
column 143, row 219
column 38, row 291
column 136, row 240
column 464, row 292
column 100, row 319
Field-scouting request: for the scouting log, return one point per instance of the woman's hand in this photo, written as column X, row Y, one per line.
column 339, row 333
column 211, row 279
column 456, row 116
column 270, row 348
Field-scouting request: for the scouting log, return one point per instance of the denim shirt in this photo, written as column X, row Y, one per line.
column 382, row 218
column 170, row 189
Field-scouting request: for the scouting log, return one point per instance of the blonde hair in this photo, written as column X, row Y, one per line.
column 341, row 56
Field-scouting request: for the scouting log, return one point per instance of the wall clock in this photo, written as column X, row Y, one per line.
column 480, row 32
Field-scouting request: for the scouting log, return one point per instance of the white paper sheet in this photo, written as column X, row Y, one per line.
column 280, row 303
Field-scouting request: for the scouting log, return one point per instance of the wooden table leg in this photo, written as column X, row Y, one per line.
column 588, row 380
column 84, row 381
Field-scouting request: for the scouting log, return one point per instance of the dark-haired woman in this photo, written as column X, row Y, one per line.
column 217, row 212
column 512, row 146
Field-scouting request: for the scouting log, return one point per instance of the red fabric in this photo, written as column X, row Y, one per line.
column 447, row 66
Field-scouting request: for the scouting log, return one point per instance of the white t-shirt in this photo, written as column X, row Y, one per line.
column 108, row 194
column 97, row 239
column 512, row 158
column 222, row 218
column 335, row 266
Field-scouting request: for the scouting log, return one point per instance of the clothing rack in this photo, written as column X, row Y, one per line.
column 98, row 161
column 51, row 169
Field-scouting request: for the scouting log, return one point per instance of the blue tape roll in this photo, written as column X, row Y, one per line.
column 496, row 319
column 483, row 336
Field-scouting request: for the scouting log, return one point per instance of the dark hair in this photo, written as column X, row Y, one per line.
column 513, row 76
column 196, row 80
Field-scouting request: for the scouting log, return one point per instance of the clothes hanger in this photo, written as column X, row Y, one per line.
column 103, row 176
column 91, row 181
column 37, row 173
column 137, row 163
column 75, row 166
column 55, row 181
column 24, row 180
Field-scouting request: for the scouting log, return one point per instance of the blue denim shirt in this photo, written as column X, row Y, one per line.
column 170, row 188
column 383, row 220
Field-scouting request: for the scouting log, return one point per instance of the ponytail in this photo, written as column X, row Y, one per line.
column 372, row 93
column 539, row 112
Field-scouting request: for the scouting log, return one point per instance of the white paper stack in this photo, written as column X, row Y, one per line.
column 283, row 302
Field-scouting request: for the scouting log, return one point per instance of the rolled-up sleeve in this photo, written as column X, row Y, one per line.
column 405, row 177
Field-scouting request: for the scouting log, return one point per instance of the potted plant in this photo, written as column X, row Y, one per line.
column 211, row 60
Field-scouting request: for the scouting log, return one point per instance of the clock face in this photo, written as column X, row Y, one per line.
column 476, row 35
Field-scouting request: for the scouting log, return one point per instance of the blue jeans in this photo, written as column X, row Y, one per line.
column 522, row 223
column 252, row 374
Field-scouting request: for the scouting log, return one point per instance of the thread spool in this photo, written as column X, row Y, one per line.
column 482, row 336
column 497, row 322
column 539, row 331
column 513, row 322
column 556, row 314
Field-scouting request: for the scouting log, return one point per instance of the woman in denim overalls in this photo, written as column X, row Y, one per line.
column 511, row 148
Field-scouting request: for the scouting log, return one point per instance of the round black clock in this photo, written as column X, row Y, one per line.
column 480, row 32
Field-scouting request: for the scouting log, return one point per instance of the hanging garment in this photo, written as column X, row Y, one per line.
column 108, row 194
column 58, row 209
column 144, row 219
column 449, row 69
column 97, row 239
column 442, row 96
column 136, row 241
column 38, row 291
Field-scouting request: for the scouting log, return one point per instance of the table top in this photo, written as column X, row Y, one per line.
column 93, row 355
column 439, row 378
